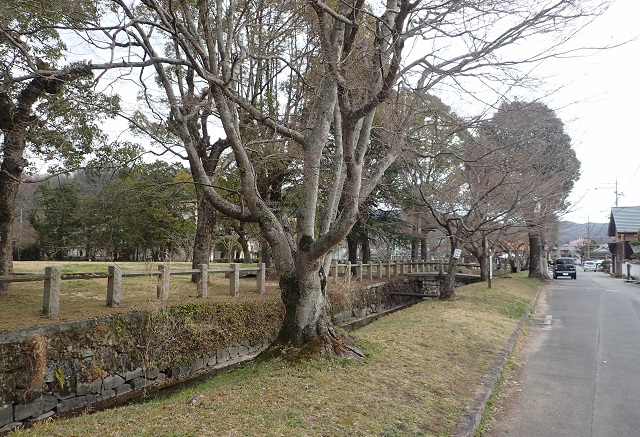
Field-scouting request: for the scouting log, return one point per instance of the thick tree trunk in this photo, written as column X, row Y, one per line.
column 306, row 323
column 449, row 283
column 483, row 260
column 8, row 190
column 11, row 169
column 204, row 230
column 538, row 263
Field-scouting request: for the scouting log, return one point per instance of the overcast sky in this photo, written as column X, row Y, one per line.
column 599, row 106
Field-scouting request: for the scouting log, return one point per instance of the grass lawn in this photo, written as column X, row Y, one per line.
column 85, row 299
column 423, row 365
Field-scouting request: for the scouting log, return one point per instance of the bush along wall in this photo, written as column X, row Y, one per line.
column 65, row 368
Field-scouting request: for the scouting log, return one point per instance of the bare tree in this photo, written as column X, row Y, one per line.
column 333, row 66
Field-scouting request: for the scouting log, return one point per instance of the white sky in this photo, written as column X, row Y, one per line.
column 598, row 105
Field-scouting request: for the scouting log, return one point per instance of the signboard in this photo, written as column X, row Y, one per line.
column 457, row 253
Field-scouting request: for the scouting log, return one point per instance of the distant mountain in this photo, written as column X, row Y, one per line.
column 569, row 231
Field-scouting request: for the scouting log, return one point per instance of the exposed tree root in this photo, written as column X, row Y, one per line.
column 331, row 343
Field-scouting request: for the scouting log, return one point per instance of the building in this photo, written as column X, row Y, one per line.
column 624, row 224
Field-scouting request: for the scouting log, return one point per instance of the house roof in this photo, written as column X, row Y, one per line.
column 624, row 220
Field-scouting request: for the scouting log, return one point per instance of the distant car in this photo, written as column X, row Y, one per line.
column 589, row 265
column 564, row 267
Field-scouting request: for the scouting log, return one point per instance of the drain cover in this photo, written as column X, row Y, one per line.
column 545, row 321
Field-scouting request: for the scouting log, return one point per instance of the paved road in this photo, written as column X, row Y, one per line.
column 580, row 376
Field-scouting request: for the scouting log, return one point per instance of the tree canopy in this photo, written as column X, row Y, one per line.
column 314, row 102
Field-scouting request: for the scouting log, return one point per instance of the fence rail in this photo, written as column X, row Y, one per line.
column 53, row 277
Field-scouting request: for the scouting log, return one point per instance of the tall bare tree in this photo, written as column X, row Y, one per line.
column 333, row 66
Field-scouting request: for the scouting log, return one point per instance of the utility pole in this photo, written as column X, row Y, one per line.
column 588, row 239
column 617, row 193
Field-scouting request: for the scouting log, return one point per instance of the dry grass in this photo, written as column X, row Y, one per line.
column 423, row 366
column 85, row 299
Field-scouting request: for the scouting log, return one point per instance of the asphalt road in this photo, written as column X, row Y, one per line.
column 580, row 375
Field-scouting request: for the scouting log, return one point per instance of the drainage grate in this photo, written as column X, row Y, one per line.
column 545, row 321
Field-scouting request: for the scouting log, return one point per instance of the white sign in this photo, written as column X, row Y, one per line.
column 457, row 253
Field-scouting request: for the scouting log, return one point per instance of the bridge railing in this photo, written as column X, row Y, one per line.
column 388, row 269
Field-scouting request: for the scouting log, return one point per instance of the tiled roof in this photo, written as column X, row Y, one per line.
column 624, row 219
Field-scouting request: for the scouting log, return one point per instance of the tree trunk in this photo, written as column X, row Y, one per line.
column 449, row 284
column 306, row 323
column 8, row 190
column 423, row 249
column 483, row 260
column 265, row 252
column 352, row 248
column 366, row 250
column 204, row 230
column 538, row 263
column 246, row 253
column 11, row 169
column 15, row 120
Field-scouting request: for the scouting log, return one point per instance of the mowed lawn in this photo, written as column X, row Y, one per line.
column 86, row 298
column 424, row 364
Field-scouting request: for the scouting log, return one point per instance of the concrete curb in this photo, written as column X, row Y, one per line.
column 472, row 415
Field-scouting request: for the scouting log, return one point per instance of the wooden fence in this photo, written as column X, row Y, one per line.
column 53, row 277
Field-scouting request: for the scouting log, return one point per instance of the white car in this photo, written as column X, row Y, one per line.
column 589, row 265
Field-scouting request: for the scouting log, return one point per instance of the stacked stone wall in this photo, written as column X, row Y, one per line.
column 70, row 367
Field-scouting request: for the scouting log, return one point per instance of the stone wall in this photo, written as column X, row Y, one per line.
column 66, row 368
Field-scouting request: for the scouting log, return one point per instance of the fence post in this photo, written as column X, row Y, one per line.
column 440, row 268
column 359, row 270
column 234, row 280
column 395, row 268
column 261, row 278
column 347, row 273
column 335, row 271
column 370, row 273
column 388, row 266
column 51, row 295
column 114, row 286
column 203, row 281
column 402, row 266
column 162, row 291
column 380, row 269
